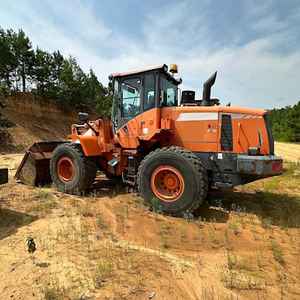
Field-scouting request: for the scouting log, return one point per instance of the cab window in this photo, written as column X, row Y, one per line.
column 168, row 92
column 130, row 91
column 149, row 91
column 115, row 106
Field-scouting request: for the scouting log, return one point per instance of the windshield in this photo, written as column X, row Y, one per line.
column 130, row 90
column 168, row 92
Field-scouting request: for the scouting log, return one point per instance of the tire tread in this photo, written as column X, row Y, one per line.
column 89, row 166
column 194, row 161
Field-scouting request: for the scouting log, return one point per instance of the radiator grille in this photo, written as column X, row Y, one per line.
column 270, row 135
column 226, row 133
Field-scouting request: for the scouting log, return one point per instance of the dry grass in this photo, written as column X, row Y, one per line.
column 242, row 273
column 44, row 202
column 103, row 271
column 277, row 252
column 289, row 151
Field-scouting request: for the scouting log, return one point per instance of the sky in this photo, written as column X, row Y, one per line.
column 254, row 45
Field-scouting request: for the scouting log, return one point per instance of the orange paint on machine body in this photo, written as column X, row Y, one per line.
column 199, row 128
column 196, row 128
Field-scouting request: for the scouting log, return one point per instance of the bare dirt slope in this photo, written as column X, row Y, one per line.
column 108, row 245
column 33, row 120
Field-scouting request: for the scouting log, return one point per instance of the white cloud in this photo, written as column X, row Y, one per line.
column 251, row 76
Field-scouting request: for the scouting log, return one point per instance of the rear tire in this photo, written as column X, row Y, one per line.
column 175, row 178
column 70, row 170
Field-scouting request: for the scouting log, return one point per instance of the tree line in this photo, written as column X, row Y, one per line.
column 286, row 123
column 49, row 75
column 53, row 76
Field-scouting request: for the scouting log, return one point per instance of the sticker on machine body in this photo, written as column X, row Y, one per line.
column 244, row 116
column 213, row 116
column 198, row 116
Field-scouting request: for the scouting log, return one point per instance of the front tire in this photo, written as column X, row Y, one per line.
column 70, row 170
column 175, row 178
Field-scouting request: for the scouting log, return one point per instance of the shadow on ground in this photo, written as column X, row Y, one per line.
column 209, row 213
column 11, row 220
column 275, row 209
column 104, row 187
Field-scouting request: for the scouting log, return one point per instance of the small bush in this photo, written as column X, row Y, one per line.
column 266, row 223
column 240, row 280
column 104, row 270
column 277, row 252
column 44, row 195
column 235, row 227
column 54, row 293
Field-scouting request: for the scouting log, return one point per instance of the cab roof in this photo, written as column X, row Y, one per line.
column 162, row 68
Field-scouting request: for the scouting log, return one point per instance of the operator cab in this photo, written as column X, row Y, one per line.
column 139, row 91
column 156, row 87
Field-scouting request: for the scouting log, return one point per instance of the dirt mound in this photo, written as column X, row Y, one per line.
column 33, row 119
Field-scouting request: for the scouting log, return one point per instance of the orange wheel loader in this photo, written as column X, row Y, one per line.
column 169, row 145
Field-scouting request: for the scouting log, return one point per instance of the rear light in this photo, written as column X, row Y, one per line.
column 277, row 166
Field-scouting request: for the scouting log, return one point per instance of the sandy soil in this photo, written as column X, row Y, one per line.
column 289, row 151
column 108, row 245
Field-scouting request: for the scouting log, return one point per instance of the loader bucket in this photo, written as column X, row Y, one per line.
column 34, row 168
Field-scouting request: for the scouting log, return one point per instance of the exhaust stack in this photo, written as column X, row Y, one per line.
column 207, row 89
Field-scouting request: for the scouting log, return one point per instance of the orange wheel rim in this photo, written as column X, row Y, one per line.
column 65, row 169
column 167, row 183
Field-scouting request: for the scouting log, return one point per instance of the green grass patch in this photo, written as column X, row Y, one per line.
column 277, row 252
column 104, row 270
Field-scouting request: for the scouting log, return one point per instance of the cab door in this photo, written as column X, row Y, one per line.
column 138, row 116
column 129, row 95
column 130, row 92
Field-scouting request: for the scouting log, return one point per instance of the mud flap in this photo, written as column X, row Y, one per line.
column 34, row 168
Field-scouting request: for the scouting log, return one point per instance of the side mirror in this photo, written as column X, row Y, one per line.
column 83, row 117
